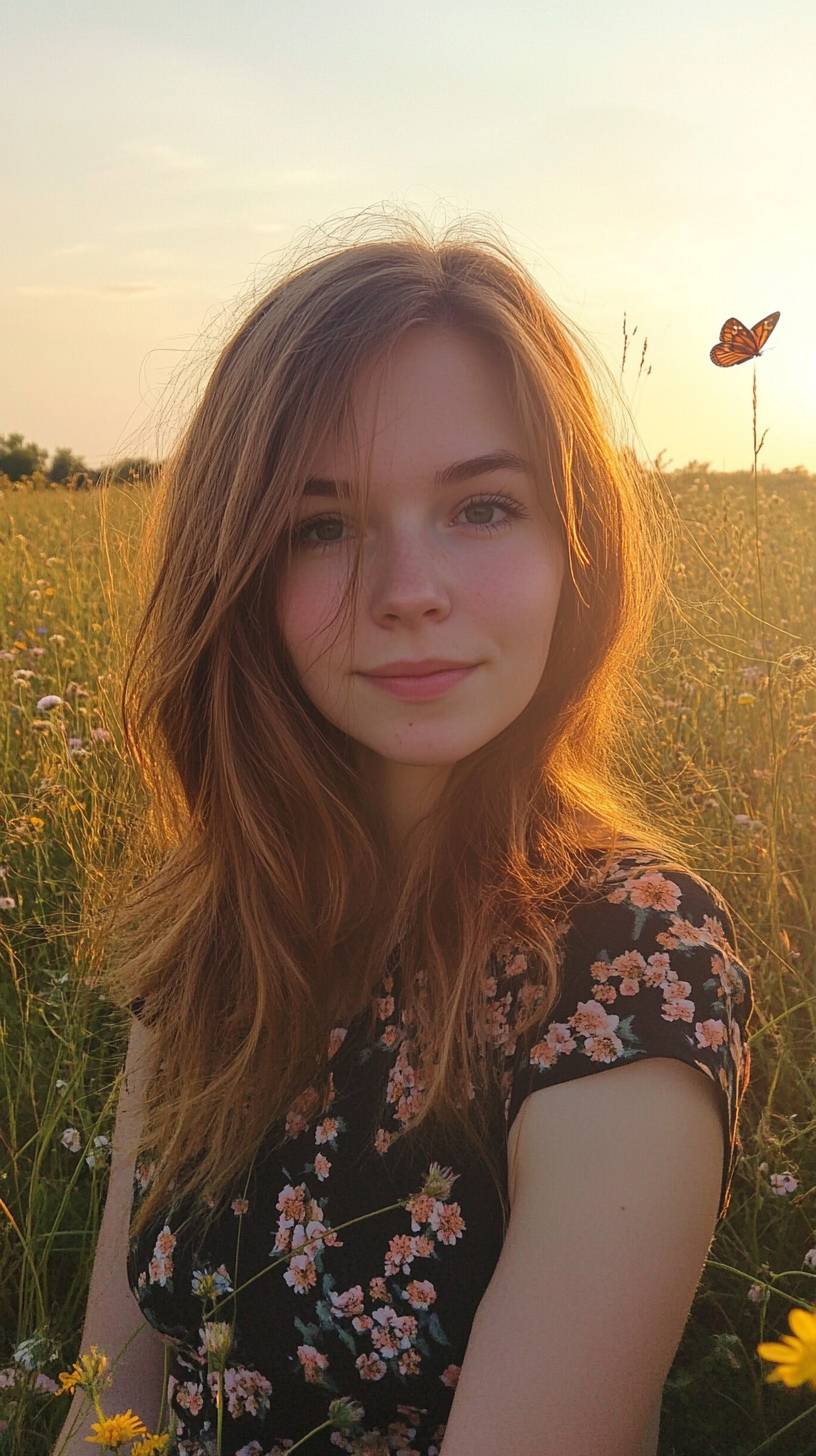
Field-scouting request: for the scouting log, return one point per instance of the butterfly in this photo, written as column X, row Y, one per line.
column 738, row 343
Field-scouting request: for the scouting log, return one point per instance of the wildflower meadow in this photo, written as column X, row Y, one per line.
column 730, row 734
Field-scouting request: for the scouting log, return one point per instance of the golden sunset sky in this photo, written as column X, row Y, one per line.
column 161, row 159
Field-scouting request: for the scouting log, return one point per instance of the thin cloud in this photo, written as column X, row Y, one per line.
column 164, row 158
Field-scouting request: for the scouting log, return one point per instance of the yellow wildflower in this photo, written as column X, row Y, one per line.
column 90, row 1372
column 113, row 1431
column 151, row 1445
column 796, row 1357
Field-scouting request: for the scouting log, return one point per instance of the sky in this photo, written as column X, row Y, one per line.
column 648, row 161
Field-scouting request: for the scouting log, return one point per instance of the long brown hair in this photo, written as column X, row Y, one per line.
column 274, row 895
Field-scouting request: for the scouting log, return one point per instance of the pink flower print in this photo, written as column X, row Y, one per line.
column 313, row 1362
column 607, row 994
column 144, row 1173
column 605, row 1046
column 385, row 1008
column 295, row 1124
column 420, row 1207
column 377, row 1288
column 165, row 1243
column 160, row 1268
column 300, row 1273
column 282, row 1240
column 371, row 1367
column 290, row 1205
column 349, row 1303
column 239, row 1205
column 308, row 1238
column 590, row 1018
column 322, row 1167
column 676, row 1005
column 403, row 1075
column 598, row 1028
column 450, row 1376
column 517, row 964
column 498, row 1027
column 712, row 1033
column 361, row 1323
column 247, row 1391
column 447, row 1220
column 409, row 1362
column 399, row 1254
column 716, row 931
column 531, row 995
column 326, row 1131
column 316, row 1226
column 653, row 890
column 404, row 1087
column 384, row 1335
column 190, row 1396
column 383, row 1140
column 658, row 969
column 406, row 1329
column 423, row 1247
column 674, row 989
column 300, row 1111
column 629, row 966
column 420, row 1293
column 730, row 979
column 686, row 933
column 600, row 970
column 337, row 1036
column 392, row 1331
column 556, row 1043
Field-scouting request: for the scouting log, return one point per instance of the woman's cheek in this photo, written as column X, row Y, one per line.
column 306, row 602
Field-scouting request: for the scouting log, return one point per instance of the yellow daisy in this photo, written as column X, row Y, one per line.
column 796, row 1355
column 151, row 1445
column 114, row 1430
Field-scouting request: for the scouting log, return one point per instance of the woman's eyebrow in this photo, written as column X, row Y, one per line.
column 452, row 474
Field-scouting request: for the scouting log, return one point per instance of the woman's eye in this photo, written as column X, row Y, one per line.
column 486, row 503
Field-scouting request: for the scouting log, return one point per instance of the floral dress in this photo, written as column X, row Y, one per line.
column 380, row 1311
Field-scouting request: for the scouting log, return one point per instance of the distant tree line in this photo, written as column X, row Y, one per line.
column 23, row 459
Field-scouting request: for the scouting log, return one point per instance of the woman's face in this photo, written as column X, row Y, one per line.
column 436, row 580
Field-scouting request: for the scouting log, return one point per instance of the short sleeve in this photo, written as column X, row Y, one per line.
column 650, row 970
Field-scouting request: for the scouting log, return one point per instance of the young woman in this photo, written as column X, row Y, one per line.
column 412, row 899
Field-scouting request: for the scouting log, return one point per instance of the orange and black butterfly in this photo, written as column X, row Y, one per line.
column 738, row 343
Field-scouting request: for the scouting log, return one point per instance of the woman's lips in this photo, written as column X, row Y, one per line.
column 429, row 685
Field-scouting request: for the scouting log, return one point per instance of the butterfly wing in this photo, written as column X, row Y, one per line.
column 737, row 343
column 763, row 330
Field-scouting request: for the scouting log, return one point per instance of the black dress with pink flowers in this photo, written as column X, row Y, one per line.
column 375, row 1318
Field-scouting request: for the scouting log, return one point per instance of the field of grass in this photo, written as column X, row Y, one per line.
column 732, row 738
